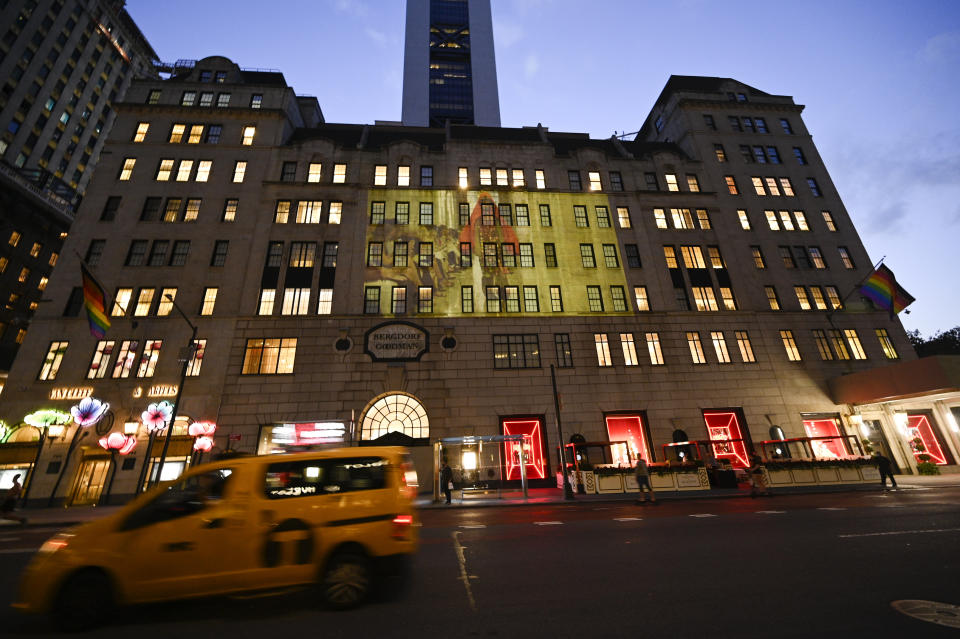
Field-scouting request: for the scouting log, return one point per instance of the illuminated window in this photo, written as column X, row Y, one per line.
column 786, row 220
column 660, row 217
column 21, row 335
column 176, row 133
column 466, row 299
column 886, row 344
column 167, row 297
column 704, row 298
column 587, row 259
column 719, row 152
column 425, row 299
column 629, row 349
column 325, row 303
column 196, row 134
column 303, row 254
column 854, row 341
column 125, row 359
column 239, row 169
column 206, row 99
column 52, row 261
column 141, row 133
column 653, row 348
column 516, row 351
column 371, row 300
column 256, row 101
column 403, row 175
column 670, row 255
column 267, row 298
column 720, row 347
column 823, row 346
column 121, row 302
column 41, row 285
column 556, row 299
column 209, row 300
column 834, row 296
column 271, row 356
column 593, row 177
column 603, row 349
column 223, row 100
column 594, row 299
column 493, row 299
column 693, row 257
column 184, row 170
column 802, row 297
column 395, row 413
column 772, row 298
column 192, row 210
column 144, row 302
column 758, row 185
column 623, row 217
column 693, row 185
column 148, row 360
column 462, row 180
column 790, row 346
column 731, row 185
column 99, row 363
column 398, row 300
column 296, row 301
column 640, row 295
column 379, row 175
column 703, row 218
column 24, row 274
column 308, row 211
column 541, row 180
column 828, row 220
column 203, row 170
column 746, row 349
column 772, row 221
column 518, row 180
column 153, row 97
column 671, row 180
column 845, row 257
column 248, row 133
column 335, row 213
column 197, row 350
column 801, row 220
column 230, row 210
column 744, row 220
column 502, row 177
column 51, row 363
column 486, row 177
column 681, row 218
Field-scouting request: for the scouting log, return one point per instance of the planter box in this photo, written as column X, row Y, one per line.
column 630, row 484
column 662, row 482
column 803, row 476
column 780, row 477
column 827, row 475
column 589, row 480
column 849, row 476
column 688, row 481
column 609, row 484
column 869, row 473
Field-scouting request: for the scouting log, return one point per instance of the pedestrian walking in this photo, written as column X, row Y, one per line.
column 10, row 501
column 643, row 481
column 758, row 481
column 886, row 470
column 446, row 480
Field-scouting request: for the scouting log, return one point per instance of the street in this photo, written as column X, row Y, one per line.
column 816, row 565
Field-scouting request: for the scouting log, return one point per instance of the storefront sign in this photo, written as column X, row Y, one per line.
column 162, row 390
column 396, row 342
column 279, row 438
column 71, row 392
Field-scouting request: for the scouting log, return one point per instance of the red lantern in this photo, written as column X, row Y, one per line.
column 203, row 444
column 123, row 444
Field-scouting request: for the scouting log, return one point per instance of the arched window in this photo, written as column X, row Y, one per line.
column 396, row 412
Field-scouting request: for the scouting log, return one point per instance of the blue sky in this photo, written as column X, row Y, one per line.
column 880, row 81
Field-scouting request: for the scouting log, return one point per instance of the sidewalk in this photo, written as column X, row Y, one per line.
column 60, row 517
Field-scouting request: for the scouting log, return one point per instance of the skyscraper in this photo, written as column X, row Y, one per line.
column 449, row 69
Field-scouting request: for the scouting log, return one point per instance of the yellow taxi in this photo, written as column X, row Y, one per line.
column 338, row 518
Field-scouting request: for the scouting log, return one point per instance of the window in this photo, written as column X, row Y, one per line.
column 158, row 253
column 425, row 299
column 790, row 346
column 196, row 133
column 267, row 298
column 141, row 133
column 814, row 187
column 823, row 346
column 462, row 181
column 669, row 255
column 696, row 348
column 594, row 299
column 785, row 125
column 144, row 302
column 545, row 219
column 239, row 169
column 335, row 212
column 167, row 296
column 506, row 215
column 136, row 253
column 148, row 360
column 171, row 212
column 223, row 100
column 704, row 298
column 550, row 255
column 651, row 181
column 508, row 255
column 729, row 302
column 375, row 254
column 125, row 358
column 787, row 257
column 269, row 356
column 854, row 341
column 426, row 254
column 709, row 122
column 399, row 300
column 772, row 298
column 248, row 134
column 181, row 249
column 486, row 215
column 556, row 299
column 731, row 184
column 213, row 133
column 748, row 122
column 802, row 297
column 99, row 363
column 603, row 217
column 490, row 254
column 573, row 177
column 541, row 180
column 256, row 101
column 580, row 216
column 426, row 176
column 288, row 172
column 192, row 211
column 371, row 300
column 209, row 300
column 523, row 215
column 219, row 257
column 325, row 301
column 164, row 170
column 772, row 220
column 834, row 296
column 587, row 259
column 339, row 173
column 616, row 181
column 51, row 363
column 153, row 97
column 308, row 211
column 703, row 219
column 746, row 349
column 502, row 177
column 828, row 220
column 623, row 217
column 619, row 298
column 653, row 348
column 798, row 154
column 230, row 210
column 526, row 256
column 681, row 218
column 531, row 300
column 485, row 177
column 493, row 299
column 603, row 349
column 758, row 186
column 199, row 347
column 403, row 175
column 660, row 218
column 759, row 155
column 720, row 153
column 632, row 255
column 561, row 342
column 593, row 177
column 816, row 293
column 817, row 257
column 693, row 185
column 735, row 123
column 203, row 170
column 109, row 209
column 773, row 154
column 610, row 256
column 176, row 133
column 845, row 257
column 836, row 338
column 426, row 213
column 466, row 299
column 886, row 344
column 761, row 125
column 693, row 257
column 511, row 298
column 671, row 180
column 516, row 351
column 94, row 252
column 296, row 301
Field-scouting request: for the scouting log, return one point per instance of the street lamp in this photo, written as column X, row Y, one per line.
column 567, row 489
column 116, row 443
column 183, row 379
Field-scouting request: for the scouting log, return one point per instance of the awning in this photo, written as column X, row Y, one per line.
column 904, row 380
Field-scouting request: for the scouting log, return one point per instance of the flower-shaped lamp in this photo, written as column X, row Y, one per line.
column 123, row 444
column 202, row 429
column 157, row 415
column 203, row 444
column 89, row 411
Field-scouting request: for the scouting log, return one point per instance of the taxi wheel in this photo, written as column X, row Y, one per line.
column 346, row 581
column 83, row 601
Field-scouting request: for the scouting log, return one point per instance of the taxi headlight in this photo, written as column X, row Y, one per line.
column 55, row 543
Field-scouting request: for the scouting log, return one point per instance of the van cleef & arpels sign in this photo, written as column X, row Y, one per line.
column 396, row 342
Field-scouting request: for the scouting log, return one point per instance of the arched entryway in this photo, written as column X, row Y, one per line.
column 394, row 413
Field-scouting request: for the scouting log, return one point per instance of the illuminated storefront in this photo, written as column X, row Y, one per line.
column 727, row 437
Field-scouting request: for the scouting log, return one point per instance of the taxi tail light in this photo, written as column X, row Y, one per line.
column 55, row 543
column 401, row 526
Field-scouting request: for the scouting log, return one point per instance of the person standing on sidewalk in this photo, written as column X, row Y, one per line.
column 10, row 501
column 643, row 481
column 446, row 480
column 886, row 470
column 758, row 481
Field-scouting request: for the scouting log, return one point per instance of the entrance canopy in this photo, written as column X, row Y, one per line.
column 478, row 464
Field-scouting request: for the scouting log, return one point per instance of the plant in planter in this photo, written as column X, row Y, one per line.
column 924, row 465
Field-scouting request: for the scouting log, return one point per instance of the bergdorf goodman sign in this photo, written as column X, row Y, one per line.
column 396, row 342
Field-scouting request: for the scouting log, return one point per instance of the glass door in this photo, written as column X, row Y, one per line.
column 90, row 481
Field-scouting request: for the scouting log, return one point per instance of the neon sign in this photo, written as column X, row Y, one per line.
column 530, row 451
column 71, row 392
column 721, row 428
column 919, row 426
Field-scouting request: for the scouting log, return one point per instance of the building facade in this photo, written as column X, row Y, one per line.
column 66, row 64
column 364, row 283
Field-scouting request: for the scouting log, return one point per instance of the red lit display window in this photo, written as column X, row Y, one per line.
column 919, row 426
column 723, row 428
column 825, row 448
column 531, row 451
column 628, row 428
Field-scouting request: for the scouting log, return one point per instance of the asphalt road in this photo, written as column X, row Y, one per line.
column 825, row 565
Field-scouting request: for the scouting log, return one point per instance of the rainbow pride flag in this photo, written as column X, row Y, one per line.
column 882, row 288
column 95, row 301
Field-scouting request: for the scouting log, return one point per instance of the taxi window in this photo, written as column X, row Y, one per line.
column 182, row 498
column 324, row 477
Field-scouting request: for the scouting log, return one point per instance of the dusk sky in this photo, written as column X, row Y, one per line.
column 880, row 81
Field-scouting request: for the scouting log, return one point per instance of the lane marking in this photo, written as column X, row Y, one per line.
column 627, row 519
column 16, row 551
column 548, row 523
column 473, row 525
column 703, row 515
column 831, row 508
column 462, row 561
column 901, row 532
column 770, row 512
